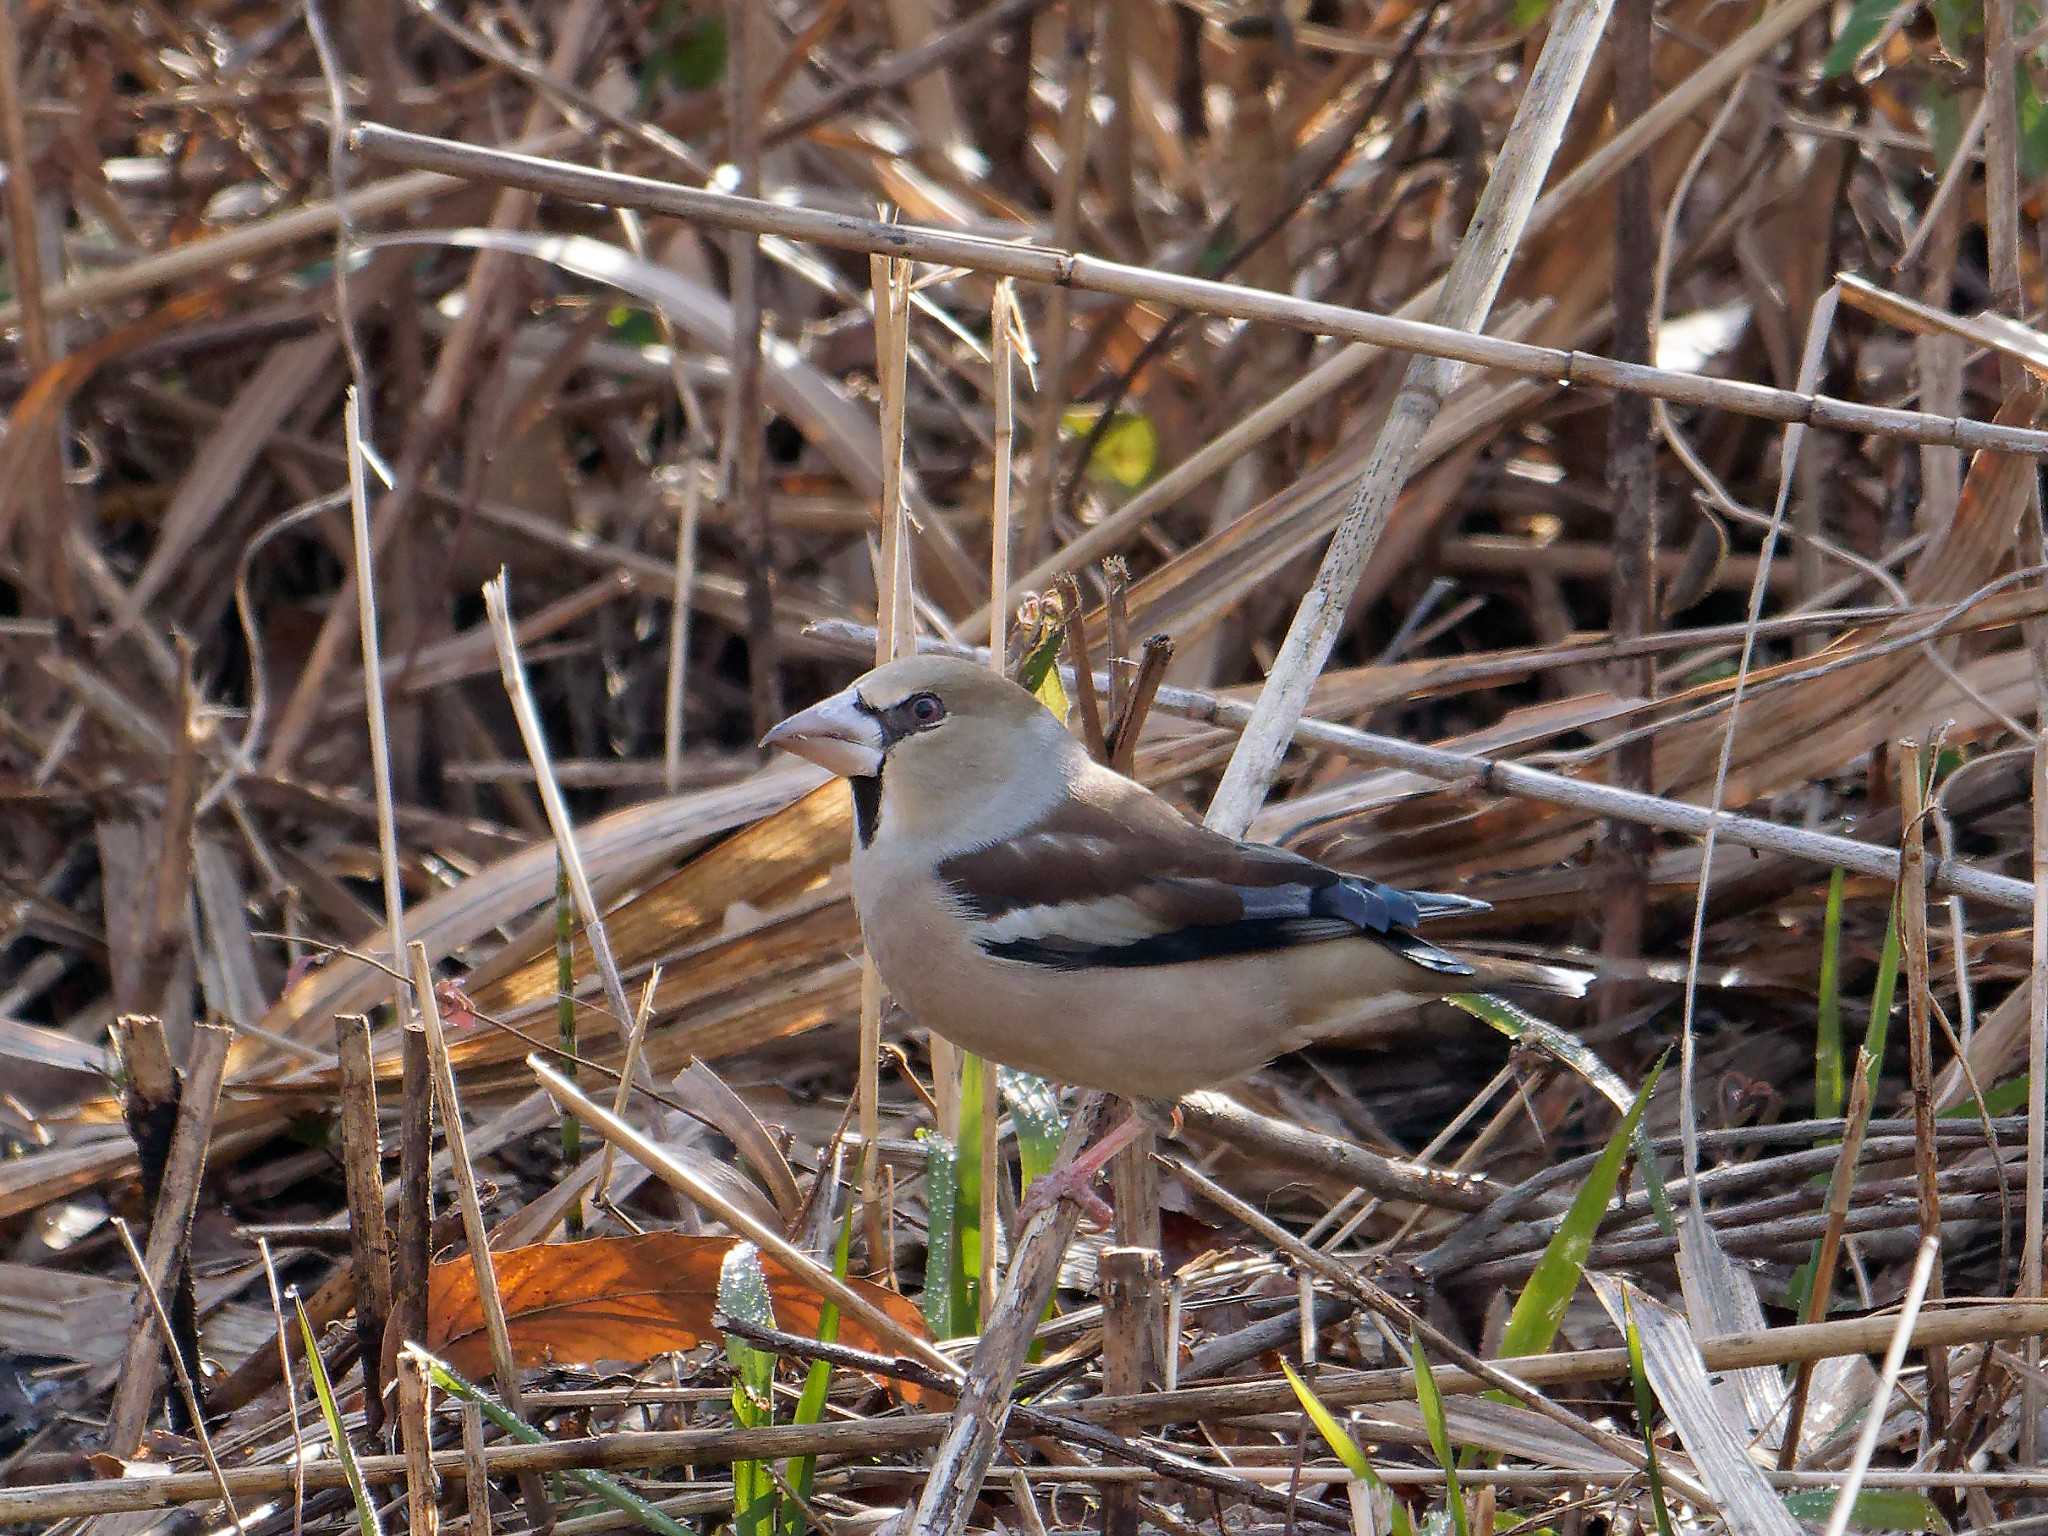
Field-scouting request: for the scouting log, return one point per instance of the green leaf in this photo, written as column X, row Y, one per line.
column 1039, row 664
column 1035, row 1116
column 1526, row 13
column 810, row 1407
column 1126, row 453
column 1956, row 22
column 1646, row 1416
column 941, row 1185
column 632, row 326
column 743, row 1294
column 1827, row 1044
column 1860, row 29
column 694, row 59
column 330, row 1413
column 967, row 1244
column 1431, row 1402
column 1881, row 996
column 1540, row 1309
column 2006, row 1098
column 1875, row 1509
column 1346, row 1449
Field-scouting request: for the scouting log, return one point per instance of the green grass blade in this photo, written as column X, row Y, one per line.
column 1881, row 997
column 1875, row 1509
column 967, row 1245
column 330, row 1412
column 743, row 1294
column 1827, row 1044
column 1539, row 1310
column 1646, row 1416
column 810, row 1407
column 941, row 1180
column 1567, row 1048
column 1339, row 1440
column 1431, row 1401
column 606, row 1489
column 1035, row 1115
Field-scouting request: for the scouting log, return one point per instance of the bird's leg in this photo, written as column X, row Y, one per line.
column 1073, row 1178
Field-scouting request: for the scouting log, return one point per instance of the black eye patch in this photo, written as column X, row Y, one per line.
column 919, row 712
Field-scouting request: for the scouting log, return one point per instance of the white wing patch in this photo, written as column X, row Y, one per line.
column 1105, row 920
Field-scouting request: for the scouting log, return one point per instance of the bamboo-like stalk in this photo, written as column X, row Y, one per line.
column 1045, row 264
column 1475, row 277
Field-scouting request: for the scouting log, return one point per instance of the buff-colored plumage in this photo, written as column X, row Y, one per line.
column 1041, row 910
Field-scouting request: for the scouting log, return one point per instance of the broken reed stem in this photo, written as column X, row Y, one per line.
column 1004, row 322
column 363, row 1179
column 983, row 1407
column 1888, row 1378
column 1841, row 1186
column 1913, row 937
column 624, row 1088
column 373, row 689
column 1489, row 775
column 746, row 443
column 503, row 1366
column 170, row 1224
column 152, row 1304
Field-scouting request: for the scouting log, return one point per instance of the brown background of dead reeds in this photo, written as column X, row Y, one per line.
column 676, row 434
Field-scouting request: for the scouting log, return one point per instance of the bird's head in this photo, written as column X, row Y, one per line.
column 933, row 738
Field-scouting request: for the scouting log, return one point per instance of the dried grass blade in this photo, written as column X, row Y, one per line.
column 1672, row 1360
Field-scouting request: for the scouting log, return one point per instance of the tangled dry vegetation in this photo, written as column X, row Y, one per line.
column 1734, row 508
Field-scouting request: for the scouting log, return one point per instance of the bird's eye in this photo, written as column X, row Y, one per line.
column 926, row 709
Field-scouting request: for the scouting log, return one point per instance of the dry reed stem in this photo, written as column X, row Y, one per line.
column 373, row 692
column 1912, row 900
column 1038, row 263
column 170, row 1224
column 1888, row 1378
column 1469, row 287
column 503, row 1364
column 677, row 1176
column 159, row 1320
column 497, row 608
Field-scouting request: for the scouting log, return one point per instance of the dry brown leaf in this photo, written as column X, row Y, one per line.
column 624, row 1298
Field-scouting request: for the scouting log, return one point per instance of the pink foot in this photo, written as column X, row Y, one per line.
column 1074, row 1180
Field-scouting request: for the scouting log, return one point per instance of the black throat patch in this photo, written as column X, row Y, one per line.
column 867, row 806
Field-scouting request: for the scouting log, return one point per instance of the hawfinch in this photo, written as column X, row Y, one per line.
column 1048, row 913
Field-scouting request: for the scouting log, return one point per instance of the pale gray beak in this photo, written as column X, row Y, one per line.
column 836, row 734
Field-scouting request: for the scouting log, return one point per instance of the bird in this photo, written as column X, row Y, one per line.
column 1048, row 913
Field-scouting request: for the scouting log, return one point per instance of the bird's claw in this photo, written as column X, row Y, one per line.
column 1071, row 1183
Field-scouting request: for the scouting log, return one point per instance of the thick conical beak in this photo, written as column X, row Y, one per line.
column 836, row 734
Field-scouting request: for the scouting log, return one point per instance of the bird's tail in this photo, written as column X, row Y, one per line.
column 1491, row 972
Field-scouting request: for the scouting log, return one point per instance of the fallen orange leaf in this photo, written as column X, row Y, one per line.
column 625, row 1298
